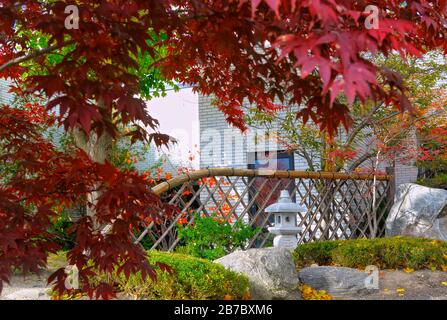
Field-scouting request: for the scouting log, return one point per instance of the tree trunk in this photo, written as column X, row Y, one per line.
column 99, row 148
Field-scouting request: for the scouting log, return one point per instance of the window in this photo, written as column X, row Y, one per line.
column 281, row 160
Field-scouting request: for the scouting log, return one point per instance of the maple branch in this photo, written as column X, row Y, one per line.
column 34, row 54
column 392, row 115
column 360, row 127
column 360, row 160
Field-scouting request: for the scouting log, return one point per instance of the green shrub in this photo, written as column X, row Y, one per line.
column 211, row 237
column 438, row 181
column 386, row 253
column 315, row 252
column 59, row 230
column 193, row 278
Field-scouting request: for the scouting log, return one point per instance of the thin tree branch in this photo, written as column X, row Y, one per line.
column 362, row 125
column 34, row 54
column 308, row 158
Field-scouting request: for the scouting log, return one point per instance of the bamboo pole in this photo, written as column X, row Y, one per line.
column 285, row 174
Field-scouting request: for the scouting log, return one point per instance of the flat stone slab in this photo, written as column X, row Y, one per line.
column 337, row 281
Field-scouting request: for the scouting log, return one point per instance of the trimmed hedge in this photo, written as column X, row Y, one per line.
column 385, row 253
column 193, row 279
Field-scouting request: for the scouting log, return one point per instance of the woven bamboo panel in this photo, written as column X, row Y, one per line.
column 337, row 205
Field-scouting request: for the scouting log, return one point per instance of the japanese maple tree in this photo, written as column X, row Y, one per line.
column 432, row 147
column 349, row 150
column 268, row 53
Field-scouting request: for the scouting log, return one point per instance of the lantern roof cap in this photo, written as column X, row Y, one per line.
column 284, row 204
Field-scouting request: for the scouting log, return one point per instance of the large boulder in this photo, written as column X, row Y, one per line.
column 271, row 272
column 418, row 212
column 337, row 281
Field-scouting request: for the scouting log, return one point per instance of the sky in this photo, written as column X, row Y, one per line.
column 178, row 114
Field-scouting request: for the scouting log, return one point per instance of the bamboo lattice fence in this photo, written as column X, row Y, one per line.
column 339, row 205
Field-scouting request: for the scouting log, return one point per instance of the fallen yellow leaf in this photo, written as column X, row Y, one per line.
column 401, row 294
column 444, row 283
column 400, row 290
column 408, row 270
column 246, row 296
column 310, row 293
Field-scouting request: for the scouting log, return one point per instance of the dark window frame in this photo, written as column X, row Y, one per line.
column 281, row 154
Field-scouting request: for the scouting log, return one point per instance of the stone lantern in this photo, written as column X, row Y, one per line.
column 286, row 227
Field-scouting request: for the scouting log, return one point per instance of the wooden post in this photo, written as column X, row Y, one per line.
column 391, row 171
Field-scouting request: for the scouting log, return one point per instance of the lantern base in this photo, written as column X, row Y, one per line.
column 285, row 241
column 285, row 230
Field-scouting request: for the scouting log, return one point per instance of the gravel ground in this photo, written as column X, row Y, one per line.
column 30, row 287
column 399, row 285
column 394, row 285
